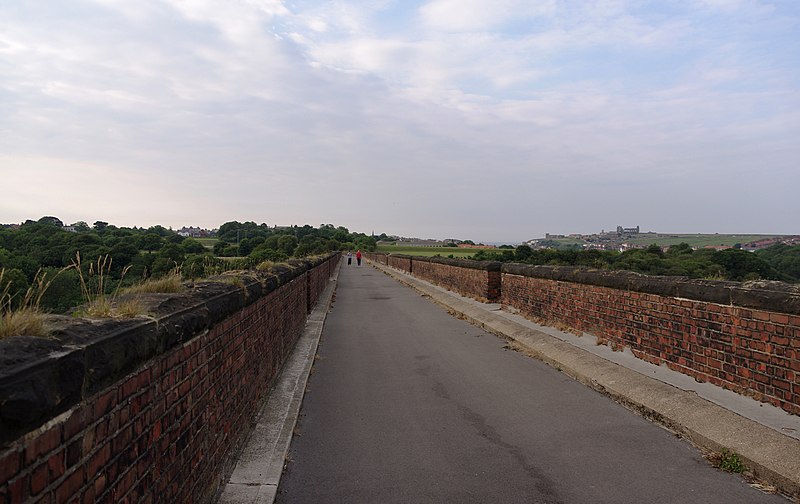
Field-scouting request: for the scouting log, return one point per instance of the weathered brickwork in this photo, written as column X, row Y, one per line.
column 401, row 262
column 317, row 281
column 164, row 432
column 481, row 282
column 743, row 337
column 377, row 257
column 476, row 279
column 755, row 352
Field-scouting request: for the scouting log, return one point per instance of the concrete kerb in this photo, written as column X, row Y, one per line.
column 771, row 456
column 259, row 467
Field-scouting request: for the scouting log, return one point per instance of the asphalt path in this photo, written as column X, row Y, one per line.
column 408, row 404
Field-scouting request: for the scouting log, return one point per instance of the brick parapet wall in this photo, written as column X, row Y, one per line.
column 744, row 347
column 741, row 336
column 317, row 281
column 401, row 262
column 377, row 257
column 161, row 429
column 476, row 279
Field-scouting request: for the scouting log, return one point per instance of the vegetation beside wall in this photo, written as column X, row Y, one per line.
column 780, row 262
column 134, row 255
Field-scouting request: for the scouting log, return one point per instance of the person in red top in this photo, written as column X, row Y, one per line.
column 358, row 257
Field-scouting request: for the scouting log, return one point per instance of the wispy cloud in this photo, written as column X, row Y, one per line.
column 468, row 118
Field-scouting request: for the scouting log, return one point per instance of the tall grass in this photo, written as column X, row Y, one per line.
column 100, row 301
column 26, row 318
column 94, row 284
column 169, row 283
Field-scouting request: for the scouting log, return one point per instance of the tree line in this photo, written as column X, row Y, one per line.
column 779, row 262
column 45, row 247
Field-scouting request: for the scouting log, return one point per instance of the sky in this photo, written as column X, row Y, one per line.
column 491, row 120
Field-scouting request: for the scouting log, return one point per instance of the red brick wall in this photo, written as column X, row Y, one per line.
column 165, row 432
column 743, row 337
column 376, row 257
column 475, row 283
column 317, row 281
column 403, row 263
column 753, row 351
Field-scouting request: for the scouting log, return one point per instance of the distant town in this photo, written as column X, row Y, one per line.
column 626, row 238
column 619, row 239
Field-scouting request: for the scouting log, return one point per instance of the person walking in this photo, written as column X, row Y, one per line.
column 349, row 258
column 358, row 257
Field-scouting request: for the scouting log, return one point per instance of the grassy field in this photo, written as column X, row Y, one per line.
column 428, row 251
column 207, row 242
column 696, row 240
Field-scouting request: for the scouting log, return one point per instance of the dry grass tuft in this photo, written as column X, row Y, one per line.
column 130, row 308
column 236, row 281
column 265, row 265
column 98, row 303
column 170, row 283
column 268, row 265
column 25, row 319
column 99, row 308
column 25, row 322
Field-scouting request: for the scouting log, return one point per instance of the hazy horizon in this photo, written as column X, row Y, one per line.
column 495, row 120
column 437, row 236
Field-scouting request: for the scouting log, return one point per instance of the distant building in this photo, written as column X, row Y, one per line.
column 196, row 232
column 421, row 243
column 627, row 231
column 467, row 245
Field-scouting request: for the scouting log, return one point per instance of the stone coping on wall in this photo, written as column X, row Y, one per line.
column 762, row 295
column 43, row 377
column 460, row 263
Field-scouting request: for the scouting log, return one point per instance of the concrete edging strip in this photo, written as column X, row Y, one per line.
column 259, row 467
column 770, row 455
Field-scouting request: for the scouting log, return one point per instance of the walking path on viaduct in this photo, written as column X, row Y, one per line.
column 199, row 401
column 409, row 404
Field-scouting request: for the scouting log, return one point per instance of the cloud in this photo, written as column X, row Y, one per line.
column 441, row 119
column 481, row 15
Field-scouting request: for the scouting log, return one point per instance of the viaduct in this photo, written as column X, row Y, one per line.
column 153, row 409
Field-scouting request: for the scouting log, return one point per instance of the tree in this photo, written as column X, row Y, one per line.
column 53, row 221
column 681, row 248
column 192, row 246
column 287, row 244
column 173, row 252
column 245, row 247
column 16, row 282
column 123, row 253
column 523, row 253
column 150, row 242
column 160, row 231
column 262, row 253
column 784, row 258
column 219, row 248
column 81, row 226
column 655, row 249
column 64, row 291
column 162, row 266
column 365, row 243
column 740, row 263
column 100, row 225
